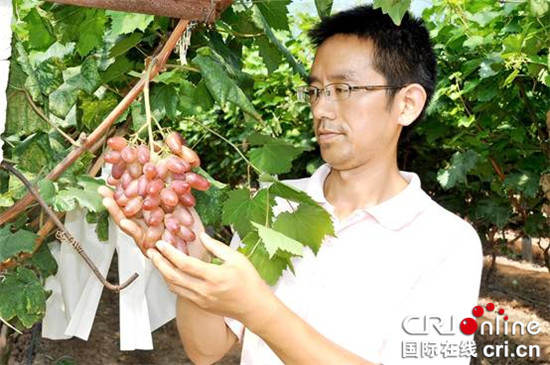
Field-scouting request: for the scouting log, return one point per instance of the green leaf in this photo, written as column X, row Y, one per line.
column 164, row 101
column 323, row 7
column 270, row 269
column 43, row 260
column 55, row 51
column 47, row 190
column 89, row 199
column 22, row 297
column 40, row 36
column 269, row 53
column 240, row 210
column 117, row 72
column 95, row 110
column 275, row 13
column 493, row 211
column 261, row 23
column 35, row 153
column 290, row 193
column 82, row 78
column 309, row 225
column 124, row 23
column 526, row 182
column 538, row 7
column 396, row 9
column 473, row 41
column 208, row 205
column 275, row 158
column 11, row 244
column 222, row 88
column 125, row 44
column 274, row 241
column 102, row 226
column 91, row 31
column 461, row 164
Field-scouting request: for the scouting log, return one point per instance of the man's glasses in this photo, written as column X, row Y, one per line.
column 336, row 91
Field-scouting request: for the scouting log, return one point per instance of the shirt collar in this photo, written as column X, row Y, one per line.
column 394, row 213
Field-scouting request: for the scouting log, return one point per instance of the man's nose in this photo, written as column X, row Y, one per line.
column 323, row 108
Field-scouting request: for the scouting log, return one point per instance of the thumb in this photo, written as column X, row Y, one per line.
column 216, row 248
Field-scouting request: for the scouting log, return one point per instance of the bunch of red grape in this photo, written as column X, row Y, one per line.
column 157, row 190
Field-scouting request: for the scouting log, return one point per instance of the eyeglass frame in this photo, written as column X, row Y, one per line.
column 301, row 90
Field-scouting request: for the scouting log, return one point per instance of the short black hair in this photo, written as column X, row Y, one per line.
column 403, row 53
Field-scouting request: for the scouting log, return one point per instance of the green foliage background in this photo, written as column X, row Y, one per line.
column 482, row 152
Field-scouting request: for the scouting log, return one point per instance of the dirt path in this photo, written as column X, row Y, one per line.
column 522, row 289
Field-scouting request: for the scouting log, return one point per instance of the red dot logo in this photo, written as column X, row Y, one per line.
column 490, row 307
column 505, row 318
column 501, row 311
column 468, row 326
column 478, row 311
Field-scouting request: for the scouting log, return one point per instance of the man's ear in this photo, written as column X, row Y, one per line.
column 412, row 99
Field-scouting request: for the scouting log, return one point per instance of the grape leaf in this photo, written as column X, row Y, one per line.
column 274, row 158
column 275, row 13
column 239, row 210
column 125, row 44
column 323, row 7
column 274, row 240
column 35, row 153
column 91, row 31
column 396, row 9
column 289, row 192
column 43, row 260
column 102, row 226
column 309, row 225
column 261, row 23
column 164, row 101
column 22, row 297
column 461, row 164
column 222, row 88
column 12, row 244
column 208, row 205
column 85, row 77
column 55, row 51
column 124, row 23
column 270, row 269
column 95, row 110
column 269, row 53
column 47, row 190
column 40, row 36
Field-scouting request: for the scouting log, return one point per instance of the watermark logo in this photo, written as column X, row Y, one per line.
column 446, row 326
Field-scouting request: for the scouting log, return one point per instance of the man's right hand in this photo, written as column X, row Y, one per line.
column 137, row 228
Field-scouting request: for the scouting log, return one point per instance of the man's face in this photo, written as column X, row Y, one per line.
column 362, row 129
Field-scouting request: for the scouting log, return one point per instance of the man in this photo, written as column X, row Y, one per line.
column 397, row 253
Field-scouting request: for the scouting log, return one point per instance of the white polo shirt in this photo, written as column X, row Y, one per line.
column 407, row 256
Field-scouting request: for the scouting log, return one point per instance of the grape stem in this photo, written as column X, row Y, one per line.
column 63, row 231
column 148, row 107
column 228, row 142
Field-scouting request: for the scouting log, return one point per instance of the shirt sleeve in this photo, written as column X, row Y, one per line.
column 234, row 325
column 443, row 297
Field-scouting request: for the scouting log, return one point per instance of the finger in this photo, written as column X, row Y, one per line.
column 133, row 229
column 172, row 275
column 216, row 247
column 183, row 262
column 105, row 191
column 114, row 210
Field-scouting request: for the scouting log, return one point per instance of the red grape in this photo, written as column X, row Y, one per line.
column 117, row 143
column 143, row 154
column 150, row 170
column 133, row 206
column 197, row 181
column 190, row 156
column 118, row 169
column 180, row 187
column 112, row 157
column 129, row 154
column 174, row 142
column 131, row 190
column 168, row 197
column 188, row 199
column 155, row 187
column 135, row 169
column 183, row 215
column 151, row 202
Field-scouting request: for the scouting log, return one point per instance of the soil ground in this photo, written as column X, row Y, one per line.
column 522, row 288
